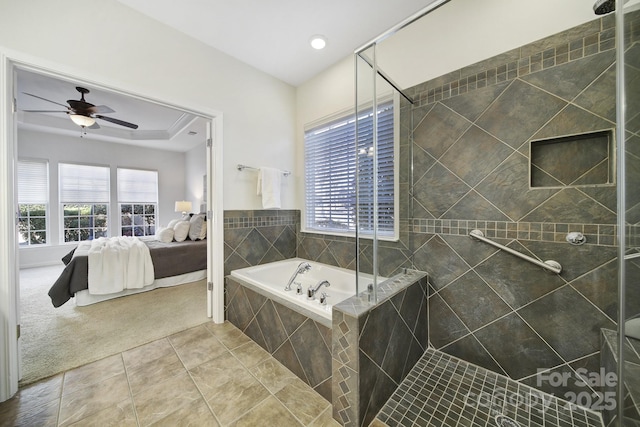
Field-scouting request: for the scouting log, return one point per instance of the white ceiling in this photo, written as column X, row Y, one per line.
column 273, row 35
column 159, row 126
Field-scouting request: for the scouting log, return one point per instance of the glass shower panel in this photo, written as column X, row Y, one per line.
column 377, row 170
column 364, row 102
column 629, row 221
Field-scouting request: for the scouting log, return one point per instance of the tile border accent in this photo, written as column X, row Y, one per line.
column 596, row 234
column 525, row 63
column 260, row 218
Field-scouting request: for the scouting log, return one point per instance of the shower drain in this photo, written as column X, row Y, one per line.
column 504, row 421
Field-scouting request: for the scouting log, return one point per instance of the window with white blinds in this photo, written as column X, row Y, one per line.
column 33, row 181
column 137, row 186
column 84, row 201
column 83, row 183
column 33, row 202
column 138, row 200
column 330, row 175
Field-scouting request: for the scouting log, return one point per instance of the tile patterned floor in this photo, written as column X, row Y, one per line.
column 442, row 390
column 210, row 375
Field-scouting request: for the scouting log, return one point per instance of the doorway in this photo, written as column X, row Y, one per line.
column 10, row 258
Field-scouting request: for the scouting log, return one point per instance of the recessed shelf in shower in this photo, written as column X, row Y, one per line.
column 571, row 161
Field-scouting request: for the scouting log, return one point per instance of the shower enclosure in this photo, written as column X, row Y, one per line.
column 528, row 135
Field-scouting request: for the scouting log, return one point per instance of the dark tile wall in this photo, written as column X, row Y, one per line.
column 298, row 342
column 375, row 346
column 470, row 138
column 341, row 252
column 253, row 237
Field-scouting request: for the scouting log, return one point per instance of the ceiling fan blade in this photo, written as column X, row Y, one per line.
column 44, row 111
column 117, row 121
column 94, row 126
column 100, row 109
column 45, row 99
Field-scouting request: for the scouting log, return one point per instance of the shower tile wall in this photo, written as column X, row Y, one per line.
column 472, row 130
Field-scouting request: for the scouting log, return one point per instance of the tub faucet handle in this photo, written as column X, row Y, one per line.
column 323, row 298
column 298, row 288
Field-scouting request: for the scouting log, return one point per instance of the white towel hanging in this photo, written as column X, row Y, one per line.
column 269, row 182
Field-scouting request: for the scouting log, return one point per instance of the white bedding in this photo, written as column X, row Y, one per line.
column 118, row 263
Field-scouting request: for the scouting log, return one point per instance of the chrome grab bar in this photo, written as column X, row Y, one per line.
column 550, row 265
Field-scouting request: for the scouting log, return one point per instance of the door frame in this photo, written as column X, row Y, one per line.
column 9, row 269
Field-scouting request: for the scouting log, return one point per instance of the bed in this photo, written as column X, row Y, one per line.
column 174, row 263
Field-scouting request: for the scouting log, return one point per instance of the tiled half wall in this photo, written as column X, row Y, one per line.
column 376, row 346
column 300, row 343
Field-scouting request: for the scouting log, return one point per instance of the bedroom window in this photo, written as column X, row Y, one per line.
column 84, row 200
column 330, row 167
column 33, row 202
column 138, row 199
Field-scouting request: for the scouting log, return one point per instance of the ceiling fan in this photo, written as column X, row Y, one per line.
column 83, row 113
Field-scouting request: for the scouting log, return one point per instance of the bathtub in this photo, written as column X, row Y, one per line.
column 270, row 280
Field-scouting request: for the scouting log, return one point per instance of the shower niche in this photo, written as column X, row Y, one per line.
column 575, row 160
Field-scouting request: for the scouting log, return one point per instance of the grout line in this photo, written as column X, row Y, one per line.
column 195, row 383
column 133, row 402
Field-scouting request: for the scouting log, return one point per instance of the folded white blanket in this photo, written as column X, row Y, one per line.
column 119, row 263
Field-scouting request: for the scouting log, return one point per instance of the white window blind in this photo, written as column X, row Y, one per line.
column 33, row 182
column 330, row 174
column 137, row 186
column 83, row 183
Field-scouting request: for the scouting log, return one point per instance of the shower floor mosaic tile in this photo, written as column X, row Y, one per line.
column 442, row 390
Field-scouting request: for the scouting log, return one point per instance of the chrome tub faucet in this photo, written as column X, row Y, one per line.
column 311, row 292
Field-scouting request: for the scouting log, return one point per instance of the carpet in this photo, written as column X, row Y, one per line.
column 58, row 339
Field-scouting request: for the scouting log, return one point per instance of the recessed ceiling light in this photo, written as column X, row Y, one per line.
column 318, row 41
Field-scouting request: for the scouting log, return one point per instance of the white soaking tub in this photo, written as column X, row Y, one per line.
column 270, row 280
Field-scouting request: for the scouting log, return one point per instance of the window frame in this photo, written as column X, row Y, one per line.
column 47, row 207
column 93, row 217
column 345, row 115
column 63, row 203
column 149, row 229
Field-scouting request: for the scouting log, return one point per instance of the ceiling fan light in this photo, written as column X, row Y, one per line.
column 83, row 121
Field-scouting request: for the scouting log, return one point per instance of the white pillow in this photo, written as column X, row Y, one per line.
column 181, row 231
column 203, row 235
column 165, row 234
column 196, row 224
column 173, row 223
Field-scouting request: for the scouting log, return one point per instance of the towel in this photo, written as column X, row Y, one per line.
column 269, row 180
